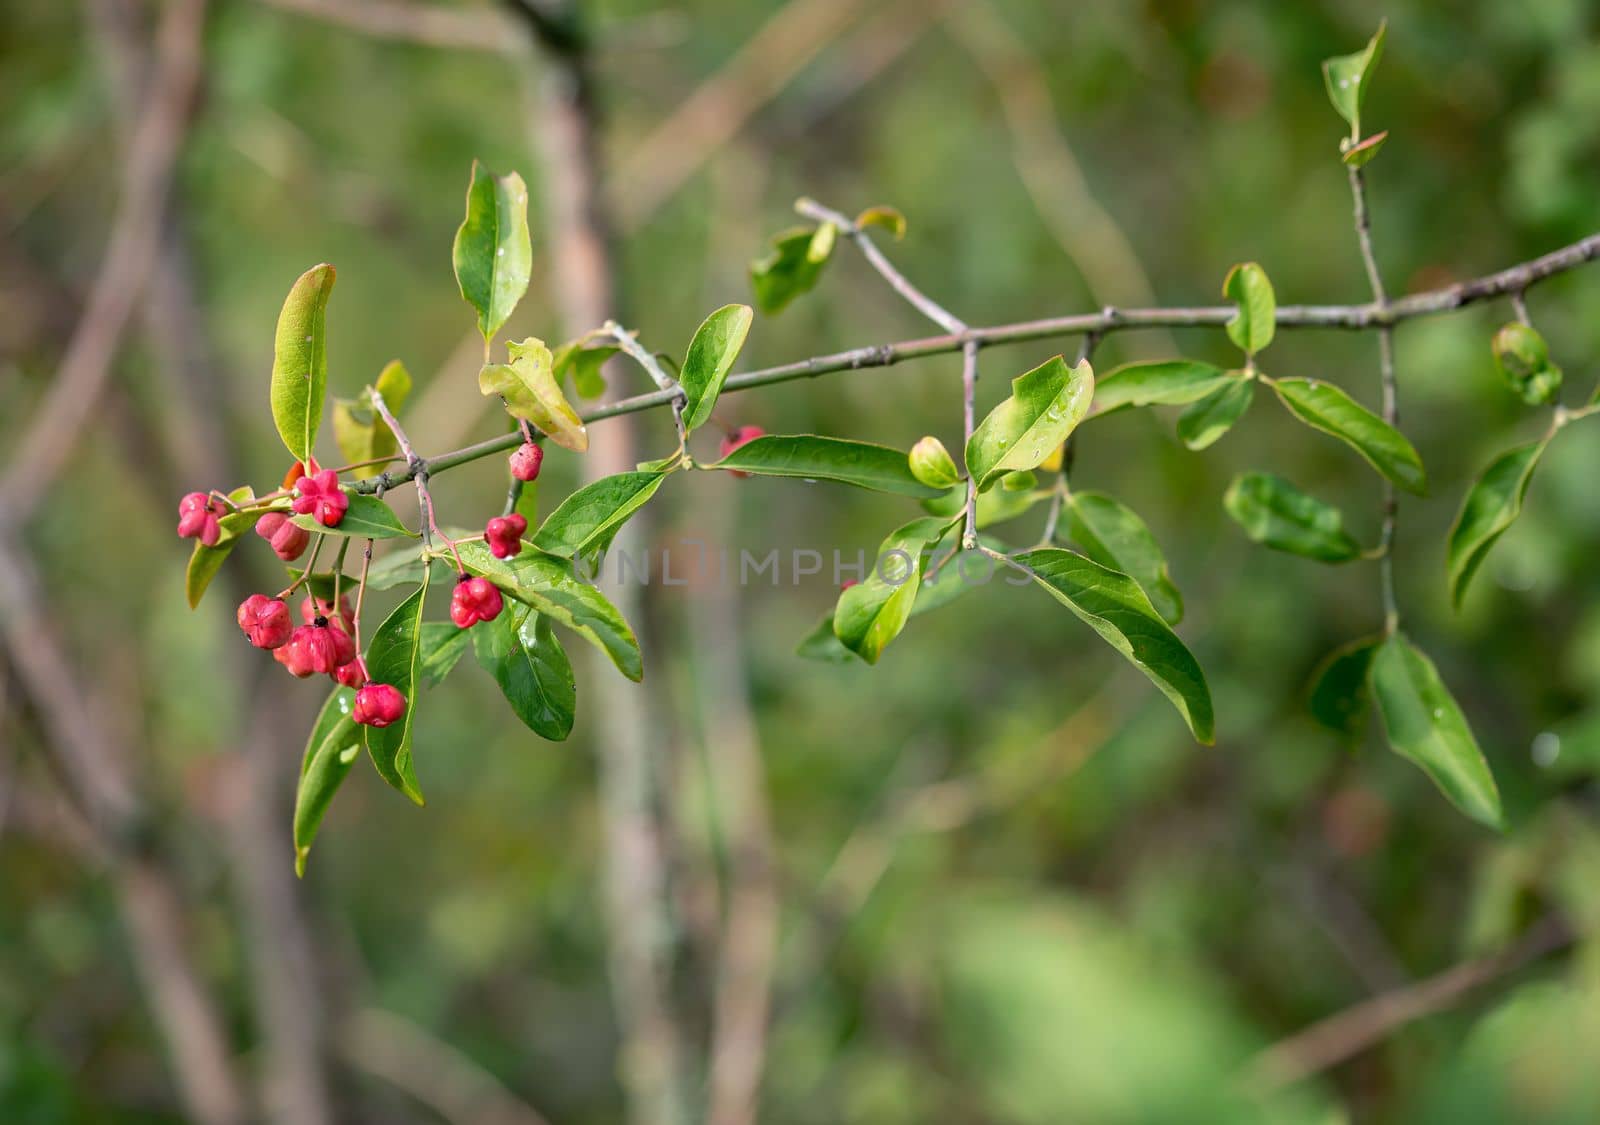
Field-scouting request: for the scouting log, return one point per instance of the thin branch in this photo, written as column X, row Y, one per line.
column 629, row 342
column 1353, row 317
column 1331, row 1041
column 438, row 1075
column 427, row 24
column 898, row 281
column 419, row 470
column 1391, row 396
column 969, row 402
column 134, row 243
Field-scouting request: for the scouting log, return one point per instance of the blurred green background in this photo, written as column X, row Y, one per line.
column 1010, row 887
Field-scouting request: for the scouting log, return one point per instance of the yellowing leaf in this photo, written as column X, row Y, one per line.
column 528, row 385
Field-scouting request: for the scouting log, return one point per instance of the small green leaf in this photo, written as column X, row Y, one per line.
column 361, row 434
column 1360, row 155
column 822, row 644
column 521, row 652
column 1114, row 536
column 493, row 253
column 1340, row 698
column 886, row 217
column 366, row 518
column 716, row 344
column 583, row 364
column 400, row 567
column 205, row 562
column 591, row 515
column 1114, row 606
column 793, row 266
column 1168, row 382
column 1254, row 321
column 811, row 457
column 300, row 361
column 1325, row 407
column 394, row 658
column 528, row 384
column 1424, row 724
column 332, row 749
column 1207, row 420
column 1347, row 77
column 552, row 586
column 442, row 645
column 1276, row 514
column 932, row 464
column 871, row 613
column 1523, row 359
column 1046, row 405
column 1490, row 508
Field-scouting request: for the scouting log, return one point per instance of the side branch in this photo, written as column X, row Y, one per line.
column 1355, row 317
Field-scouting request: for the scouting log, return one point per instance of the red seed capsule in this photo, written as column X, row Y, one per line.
column 288, row 539
column 475, row 600
column 378, row 705
column 199, row 518
column 321, row 497
column 741, row 436
column 504, row 535
column 265, row 621
column 526, row 460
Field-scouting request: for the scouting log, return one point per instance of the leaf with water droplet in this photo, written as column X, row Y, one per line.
column 521, row 651
column 1424, row 724
column 333, row 747
column 1045, row 406
column 493, row 253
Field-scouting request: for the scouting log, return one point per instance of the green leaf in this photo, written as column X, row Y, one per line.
column 442, row 645
column 332, row 749
column 1114, row 606
column 1424, row 724
column 715, row 346
column 1523, row 359
column 1254, row 320
column 822, row 644
column 402, row 567
column 793, row 266
column 1167, row 382
column 1325, row 407
column 493, row 254
column 1490, row 508
column 1276, row 514
column 811, row 457
column 583, row 363
column 1207, row 420
column 1114, row 536
column 888, row 218
column 932, row 464
column 300, row 361
column 871, row 613
column 366, row 518
column 528, row 384
column 205, row 562
column 521, row 652
column 1340, row 698
column 361, row 434
column 552, row 586
column 1046, row 405
column 590, row 516
column 1361, row 154
column 394, row 658
column 1347, row 77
